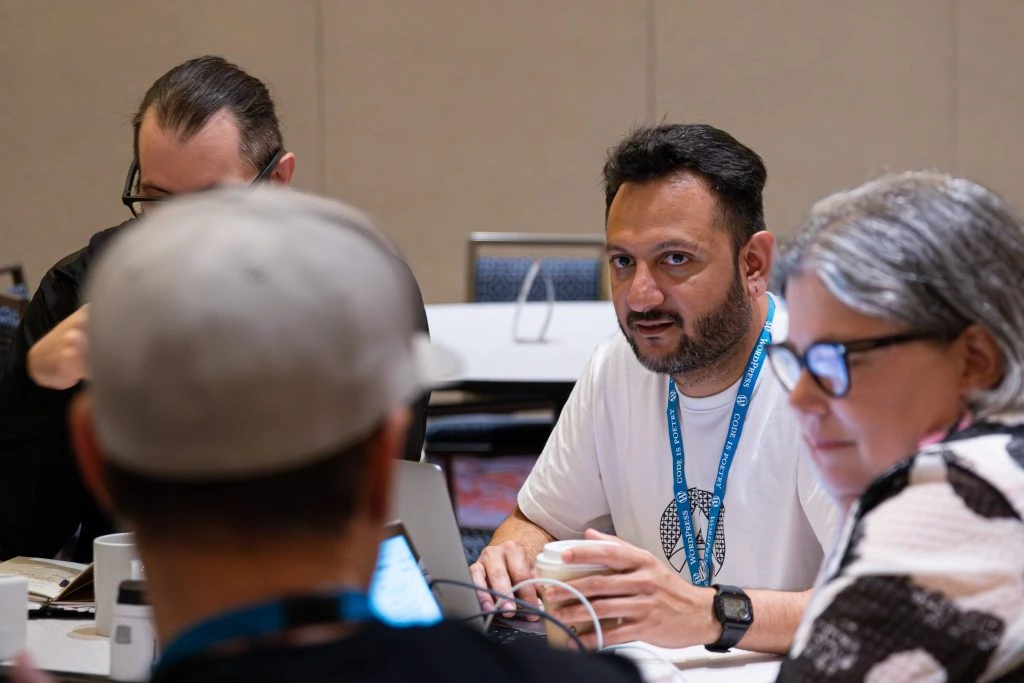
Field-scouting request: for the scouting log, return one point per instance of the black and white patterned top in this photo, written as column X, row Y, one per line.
column 927, row 580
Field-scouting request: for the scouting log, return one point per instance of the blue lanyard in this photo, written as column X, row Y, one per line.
column 700, row 572
column 267, row 618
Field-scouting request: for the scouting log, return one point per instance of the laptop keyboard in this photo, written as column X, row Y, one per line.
column 504, row 634
column 474, row 541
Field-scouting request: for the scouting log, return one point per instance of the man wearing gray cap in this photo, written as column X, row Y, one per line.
column 253, row 353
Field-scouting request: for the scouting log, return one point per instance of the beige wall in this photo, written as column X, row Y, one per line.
column 446, row 116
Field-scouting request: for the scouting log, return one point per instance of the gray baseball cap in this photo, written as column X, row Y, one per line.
column 246, row 331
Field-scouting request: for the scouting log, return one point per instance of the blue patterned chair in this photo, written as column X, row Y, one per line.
column 13, row 301
column 499, row 279
column 484, row 427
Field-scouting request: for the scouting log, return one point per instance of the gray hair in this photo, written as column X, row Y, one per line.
column 929, row 251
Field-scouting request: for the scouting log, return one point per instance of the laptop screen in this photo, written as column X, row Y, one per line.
column 399, row 592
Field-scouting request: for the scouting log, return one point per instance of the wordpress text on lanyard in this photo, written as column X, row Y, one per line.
column 700, row 568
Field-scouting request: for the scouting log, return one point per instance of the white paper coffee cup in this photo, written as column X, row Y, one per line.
column 551, row 566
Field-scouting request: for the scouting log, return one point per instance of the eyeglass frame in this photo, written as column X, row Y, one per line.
column 844, row 350
column 129, row 199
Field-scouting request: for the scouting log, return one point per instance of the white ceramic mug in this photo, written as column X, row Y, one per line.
column 112, row 563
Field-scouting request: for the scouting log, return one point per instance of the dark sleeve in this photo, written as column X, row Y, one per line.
column 885, row 609
column 41, row 494
column 418, row 426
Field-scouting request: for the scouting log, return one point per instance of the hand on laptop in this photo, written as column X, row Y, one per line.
column 499, row 568
column 644, row 600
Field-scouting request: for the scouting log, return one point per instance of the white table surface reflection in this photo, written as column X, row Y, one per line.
column 482, row 336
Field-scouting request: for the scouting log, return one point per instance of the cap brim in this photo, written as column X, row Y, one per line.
column 435, row 366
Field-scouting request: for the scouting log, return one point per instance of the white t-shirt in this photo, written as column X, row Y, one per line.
column 608, row 465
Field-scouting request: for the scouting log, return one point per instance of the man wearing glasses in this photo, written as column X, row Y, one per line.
column 204, row 123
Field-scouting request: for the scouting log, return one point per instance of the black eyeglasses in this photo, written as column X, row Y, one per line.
column 136, row 203
column 827, row 362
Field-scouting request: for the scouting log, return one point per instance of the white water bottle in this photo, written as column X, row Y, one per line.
column 133, row 646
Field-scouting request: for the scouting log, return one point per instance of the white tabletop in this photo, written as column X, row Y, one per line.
column 698, row 665
column 71, row 645
column 755, row 672
column 482, row 336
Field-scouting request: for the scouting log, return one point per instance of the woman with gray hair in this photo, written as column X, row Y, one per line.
column 905, row 361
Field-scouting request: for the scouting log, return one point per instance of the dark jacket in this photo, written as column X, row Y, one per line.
column 445, row 653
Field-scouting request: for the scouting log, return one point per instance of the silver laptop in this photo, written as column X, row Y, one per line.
column 419, row 498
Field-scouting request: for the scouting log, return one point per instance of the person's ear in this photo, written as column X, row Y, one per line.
column 983, row 366
column 381, row 451
column 282, row 173
column 755, row 263
column 88, row 455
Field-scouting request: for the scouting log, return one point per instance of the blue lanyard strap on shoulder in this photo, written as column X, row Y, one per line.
column 700, row 568
column 266, row 619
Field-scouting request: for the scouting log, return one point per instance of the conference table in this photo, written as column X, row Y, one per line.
column 72, row 651
column 499, row 354
column 503, row 353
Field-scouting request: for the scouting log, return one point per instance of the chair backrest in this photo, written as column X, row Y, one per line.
column 496, row 278
column 13, row 302
column 8, row 328
column 15, row 297
column 500, row 279
column 9, row 319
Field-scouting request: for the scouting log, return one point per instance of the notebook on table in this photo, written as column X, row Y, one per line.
column 54, row 583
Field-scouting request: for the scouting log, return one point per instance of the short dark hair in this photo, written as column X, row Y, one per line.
column 734, row 173
column 187, row 96
column 319, row 498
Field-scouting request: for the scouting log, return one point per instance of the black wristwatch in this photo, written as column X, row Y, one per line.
column 735, row 613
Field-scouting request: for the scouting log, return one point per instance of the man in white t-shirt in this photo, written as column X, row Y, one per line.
column 676, row 432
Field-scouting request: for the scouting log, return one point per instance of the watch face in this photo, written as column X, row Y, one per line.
column 735, row 608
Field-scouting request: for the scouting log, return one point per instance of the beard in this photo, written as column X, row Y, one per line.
column 717, row 338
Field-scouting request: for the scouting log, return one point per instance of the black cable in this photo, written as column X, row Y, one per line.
column 46, row 611
column 533, row 609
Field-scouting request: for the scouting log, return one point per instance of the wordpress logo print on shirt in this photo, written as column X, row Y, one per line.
column 672, row 539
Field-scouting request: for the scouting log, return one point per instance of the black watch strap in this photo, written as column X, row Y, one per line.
column 733, row 610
